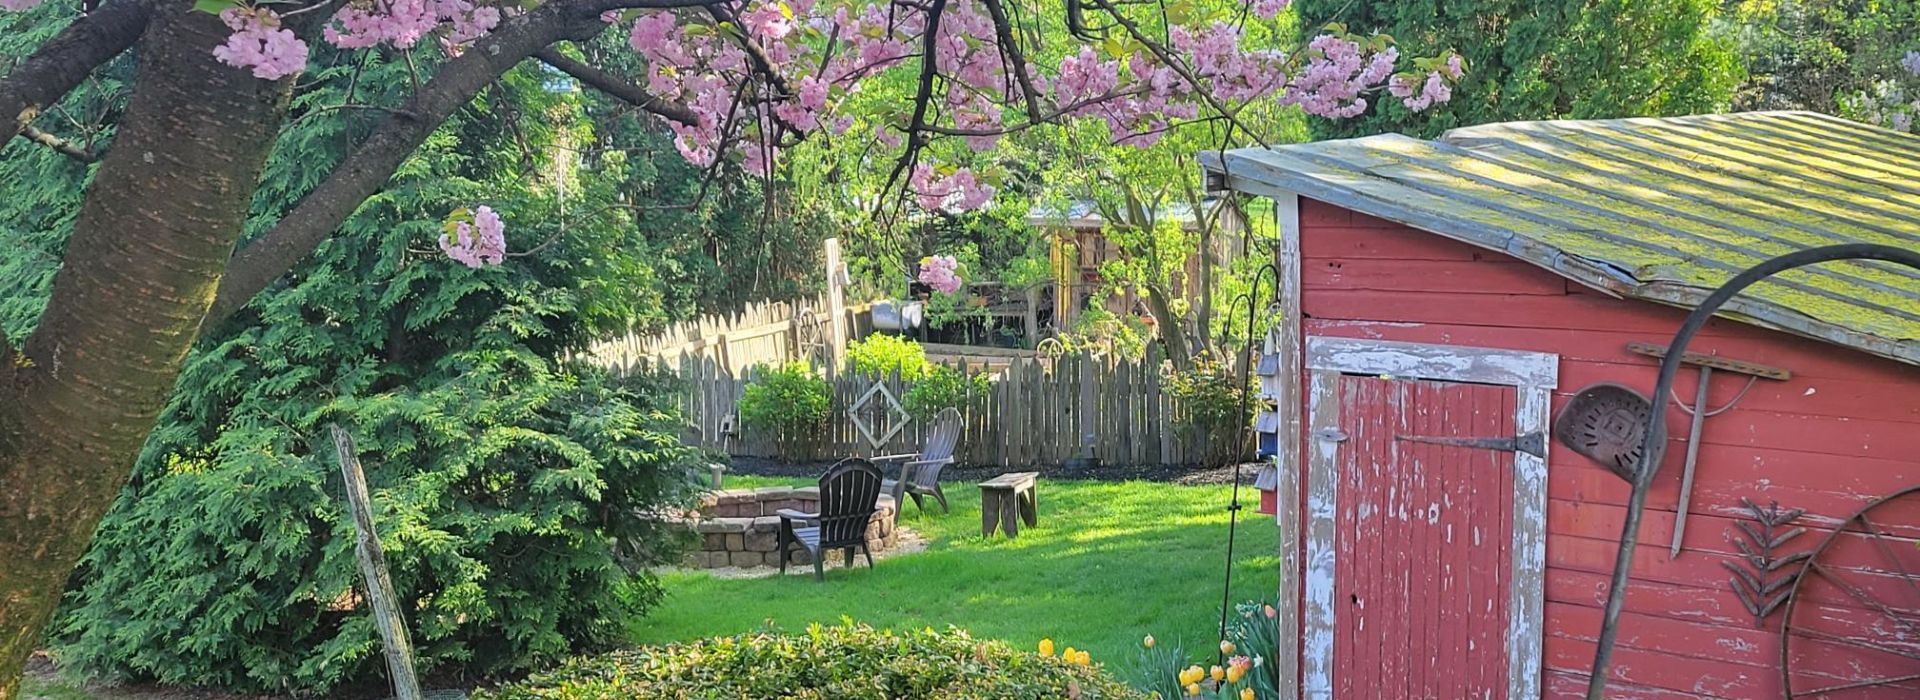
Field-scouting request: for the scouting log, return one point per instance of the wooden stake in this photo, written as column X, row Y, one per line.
column 373, row 568
column 836, row 306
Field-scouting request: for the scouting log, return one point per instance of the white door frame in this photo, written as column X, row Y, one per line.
column 1534, row 375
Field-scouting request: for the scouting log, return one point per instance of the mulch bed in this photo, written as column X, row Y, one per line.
column 1172, row 474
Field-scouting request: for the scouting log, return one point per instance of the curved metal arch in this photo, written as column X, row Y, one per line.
column 1654, row 449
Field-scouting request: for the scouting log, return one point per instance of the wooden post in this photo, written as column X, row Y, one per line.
column 373, row 568
column 1289, row 451
column 1033, row 315
column 836, row 305
column 1089, row 428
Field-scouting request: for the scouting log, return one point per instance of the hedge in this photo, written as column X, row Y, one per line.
column 844, row 662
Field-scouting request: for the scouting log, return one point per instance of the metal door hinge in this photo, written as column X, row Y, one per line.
column 1534, row 443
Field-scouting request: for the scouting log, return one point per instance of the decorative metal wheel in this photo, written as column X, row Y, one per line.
column 1852, row 623
column 809, row 340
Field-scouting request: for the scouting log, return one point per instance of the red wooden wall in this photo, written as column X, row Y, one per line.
column 1846, row 428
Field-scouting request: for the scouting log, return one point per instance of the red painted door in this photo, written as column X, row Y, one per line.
column 1424, row 540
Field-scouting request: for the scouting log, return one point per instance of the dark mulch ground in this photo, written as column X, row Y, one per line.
column 1172, row 474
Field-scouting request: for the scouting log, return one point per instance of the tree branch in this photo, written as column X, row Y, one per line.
column 922, row 97
column 1165, row 57
column 1003, row 28
column 368, row 168
column 60, row 145
column 59, row 65
column 1038, row 119
column 620, row 89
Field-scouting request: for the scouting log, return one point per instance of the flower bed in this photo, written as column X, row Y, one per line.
column 739, row 527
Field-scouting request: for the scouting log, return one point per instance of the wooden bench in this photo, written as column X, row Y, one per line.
column 1007, row 499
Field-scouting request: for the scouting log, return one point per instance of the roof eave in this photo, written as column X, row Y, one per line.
column 1231, row 171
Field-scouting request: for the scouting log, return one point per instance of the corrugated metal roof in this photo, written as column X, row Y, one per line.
column 1659, row 209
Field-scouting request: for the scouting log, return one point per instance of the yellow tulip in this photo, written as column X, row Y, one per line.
column 1226, row 647
column 1234, row 673
column 1046, row 647
column 1193, row 689
column 1192, row 675
column 1217, row 673
column 1246, row 694
column 1083, row 658
column 1148, row 642
column 1067, row 655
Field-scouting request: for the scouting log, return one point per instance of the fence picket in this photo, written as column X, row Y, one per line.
column 1031, row 413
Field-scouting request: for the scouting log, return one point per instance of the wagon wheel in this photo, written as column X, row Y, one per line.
column 809, row 343
column 1852, row 622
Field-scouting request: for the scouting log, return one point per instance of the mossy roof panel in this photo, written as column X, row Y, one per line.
column 1664, row 210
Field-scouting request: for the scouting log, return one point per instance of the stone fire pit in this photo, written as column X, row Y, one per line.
column 738, row 527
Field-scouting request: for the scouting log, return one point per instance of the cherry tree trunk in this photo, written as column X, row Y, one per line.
column 154, row 234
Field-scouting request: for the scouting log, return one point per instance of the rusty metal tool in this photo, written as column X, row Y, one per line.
column 1700, row 413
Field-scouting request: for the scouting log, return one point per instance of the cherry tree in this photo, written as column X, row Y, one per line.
column 156, row 253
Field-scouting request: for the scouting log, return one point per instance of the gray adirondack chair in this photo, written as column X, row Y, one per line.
column 849, row 496
column 920, row 471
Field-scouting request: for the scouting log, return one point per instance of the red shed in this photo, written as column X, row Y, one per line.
column 1444, row 300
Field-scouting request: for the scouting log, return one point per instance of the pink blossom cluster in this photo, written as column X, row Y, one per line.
column 18, row 5
column 1911, row 62
column 1338, row 73
column 259, row 43
column 1419, row 93
column 402, row 23
column 940, row 273
column 477, row 243
column 960, row 191
column 1140, row 98
column 1269, row 9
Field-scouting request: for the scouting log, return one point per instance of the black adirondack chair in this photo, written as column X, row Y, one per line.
column 920, row 471
column 849, row 496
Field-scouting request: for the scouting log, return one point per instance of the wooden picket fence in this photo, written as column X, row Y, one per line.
column 1036, row 411
column 768, row 332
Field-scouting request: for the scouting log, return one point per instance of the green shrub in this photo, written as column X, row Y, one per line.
column 1209, row 394
column 942, row 388
column 511, row 491
column 882, row 354
column 847, row 662
column 510, row 500
column 792, row 401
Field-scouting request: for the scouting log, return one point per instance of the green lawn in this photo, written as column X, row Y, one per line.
column 1110, row 562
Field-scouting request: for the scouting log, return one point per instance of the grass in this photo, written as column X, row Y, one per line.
column 32, row 688
column 1109, row 563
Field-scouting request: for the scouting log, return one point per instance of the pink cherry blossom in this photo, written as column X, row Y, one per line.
column 1432, row 91
column 938, row 272
column 478, row 243
column 403, row 23
column 1268, row 9
column 18, row 5
column 1911, row 62
column 259, row 43
column 961, row 191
